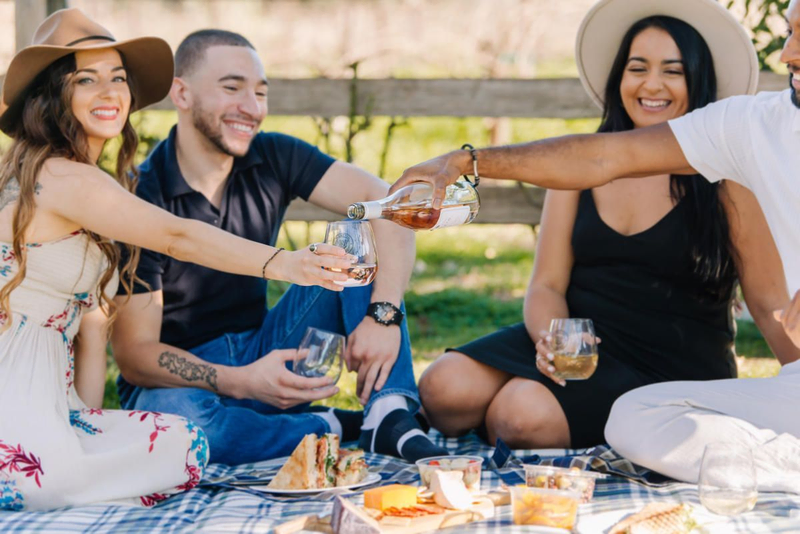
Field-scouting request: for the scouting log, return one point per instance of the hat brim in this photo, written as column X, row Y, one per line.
column 147, row 59
column 601, row 32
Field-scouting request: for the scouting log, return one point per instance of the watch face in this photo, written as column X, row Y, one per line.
column 384, row 313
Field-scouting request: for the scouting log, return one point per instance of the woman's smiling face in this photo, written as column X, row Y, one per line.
column 101, row 97
column 653, row 87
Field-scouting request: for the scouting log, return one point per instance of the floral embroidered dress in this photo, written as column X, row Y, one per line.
column 54, row 451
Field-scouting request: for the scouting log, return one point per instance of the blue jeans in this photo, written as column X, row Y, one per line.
column 245, row 431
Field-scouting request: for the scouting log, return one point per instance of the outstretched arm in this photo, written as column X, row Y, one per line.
column 88, row 197
column 569, row 162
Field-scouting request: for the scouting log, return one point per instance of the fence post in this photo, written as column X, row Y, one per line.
column 28, row 14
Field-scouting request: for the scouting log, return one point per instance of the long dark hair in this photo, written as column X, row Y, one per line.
column 709, row 234
column 43, row 128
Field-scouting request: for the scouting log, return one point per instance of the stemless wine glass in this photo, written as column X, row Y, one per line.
column 728, row 479
column 320, row 354
column 357, row 239
column 574, row 348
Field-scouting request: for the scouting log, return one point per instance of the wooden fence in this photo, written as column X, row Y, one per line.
column 321, row 97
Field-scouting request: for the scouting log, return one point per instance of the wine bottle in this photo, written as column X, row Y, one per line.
column 410, row 206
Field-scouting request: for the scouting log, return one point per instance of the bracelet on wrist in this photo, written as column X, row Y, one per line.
column 264, row 268
column 474, row 153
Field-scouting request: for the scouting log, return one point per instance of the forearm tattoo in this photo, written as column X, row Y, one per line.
column 10, row 192
column 189, row 371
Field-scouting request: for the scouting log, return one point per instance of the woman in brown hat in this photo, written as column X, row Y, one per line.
column 653, row 262
column 63, row 99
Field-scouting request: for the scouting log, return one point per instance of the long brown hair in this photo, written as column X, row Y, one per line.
column 44, row 128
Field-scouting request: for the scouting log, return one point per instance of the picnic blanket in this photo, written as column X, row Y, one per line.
column 215, row 508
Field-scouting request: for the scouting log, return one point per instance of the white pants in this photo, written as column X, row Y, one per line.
column 665, row 427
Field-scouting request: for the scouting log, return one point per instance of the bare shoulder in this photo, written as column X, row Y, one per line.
column 57, row 169
column 60, row 177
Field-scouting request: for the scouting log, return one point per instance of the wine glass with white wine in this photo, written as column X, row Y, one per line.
column 727, row 483
column 574, row 348
column 357, row 239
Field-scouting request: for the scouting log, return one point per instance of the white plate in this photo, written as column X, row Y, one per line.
column 372, row 478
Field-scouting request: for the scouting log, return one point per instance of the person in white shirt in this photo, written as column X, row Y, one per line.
column 752, row 140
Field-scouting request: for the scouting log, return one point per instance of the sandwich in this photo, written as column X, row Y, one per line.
column 300, row 470
column 657, row 518
column 317, row 463
column 351, row 467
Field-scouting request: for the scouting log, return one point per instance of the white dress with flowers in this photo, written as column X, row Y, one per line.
column 54, row 451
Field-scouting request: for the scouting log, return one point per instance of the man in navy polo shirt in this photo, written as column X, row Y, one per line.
column 201, row 343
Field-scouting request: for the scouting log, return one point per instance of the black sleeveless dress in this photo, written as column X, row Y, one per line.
column 656, row 320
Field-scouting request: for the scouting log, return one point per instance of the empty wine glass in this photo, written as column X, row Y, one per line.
column 357, row 239
column 320, row 354
column 728, row 483
column 574, row 348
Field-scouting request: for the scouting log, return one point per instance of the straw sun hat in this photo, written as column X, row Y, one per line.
column 148, row 59
column 601, row 32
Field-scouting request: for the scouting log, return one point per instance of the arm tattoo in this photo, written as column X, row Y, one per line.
column 10, row 192
column 189, row 371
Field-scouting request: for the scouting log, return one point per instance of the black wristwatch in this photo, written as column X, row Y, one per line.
column 385, row 313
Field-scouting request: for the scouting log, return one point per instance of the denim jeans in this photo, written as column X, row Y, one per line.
column 245, row 431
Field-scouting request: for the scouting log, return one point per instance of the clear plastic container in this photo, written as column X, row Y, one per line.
column 560, row 478
column 470, row 465
column 544, row 507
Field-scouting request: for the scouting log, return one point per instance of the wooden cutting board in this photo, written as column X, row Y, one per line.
column 479, row 511
column 347, row 518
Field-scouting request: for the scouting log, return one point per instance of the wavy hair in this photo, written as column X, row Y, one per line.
column 45, row 128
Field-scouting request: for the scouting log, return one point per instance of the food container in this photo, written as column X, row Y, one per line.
column 549, row 477
column 544, row 507
column 470, row 465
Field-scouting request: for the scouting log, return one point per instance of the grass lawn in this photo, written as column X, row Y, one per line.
column 468, row 282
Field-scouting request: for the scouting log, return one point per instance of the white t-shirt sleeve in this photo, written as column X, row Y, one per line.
column 714, row 139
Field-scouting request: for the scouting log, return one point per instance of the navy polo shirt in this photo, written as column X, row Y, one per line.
column 201, row 304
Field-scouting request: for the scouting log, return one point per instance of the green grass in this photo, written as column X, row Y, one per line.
column 467, row 282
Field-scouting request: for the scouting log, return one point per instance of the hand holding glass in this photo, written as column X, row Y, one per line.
column 320, row 354
column 357, row 239
column 727, row 483
column 574, row 348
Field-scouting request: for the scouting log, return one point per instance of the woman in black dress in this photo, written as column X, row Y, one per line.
column 652, row 261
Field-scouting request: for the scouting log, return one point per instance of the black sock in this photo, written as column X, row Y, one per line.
column 351, row 421
column 422, row 421
column 400, row 427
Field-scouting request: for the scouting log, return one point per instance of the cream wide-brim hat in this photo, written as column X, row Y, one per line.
column 601, row 32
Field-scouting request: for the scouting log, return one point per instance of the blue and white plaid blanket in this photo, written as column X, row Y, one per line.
column 217, row 508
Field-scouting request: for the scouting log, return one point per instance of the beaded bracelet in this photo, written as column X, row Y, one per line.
column 264, row 268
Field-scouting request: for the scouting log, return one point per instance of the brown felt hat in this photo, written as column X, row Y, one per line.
column 148, row 59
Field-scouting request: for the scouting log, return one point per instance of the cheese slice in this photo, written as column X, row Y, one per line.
column 396, row 495
column 449, row 490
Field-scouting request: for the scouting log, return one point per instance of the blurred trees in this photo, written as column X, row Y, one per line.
column 765, row 20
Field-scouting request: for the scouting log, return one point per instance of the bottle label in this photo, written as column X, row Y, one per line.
column 452, row 216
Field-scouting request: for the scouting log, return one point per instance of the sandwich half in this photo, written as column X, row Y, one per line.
column 657, row 518
column 300, row 470
column 351, row 467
